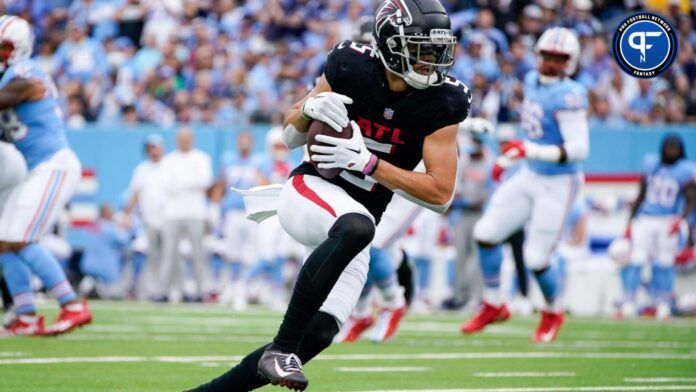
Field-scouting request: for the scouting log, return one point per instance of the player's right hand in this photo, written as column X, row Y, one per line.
column 328, row 107
column 497, row 172
column 627, row 232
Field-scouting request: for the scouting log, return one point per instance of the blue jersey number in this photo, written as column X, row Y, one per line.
column 11, row 127
column 662, row 191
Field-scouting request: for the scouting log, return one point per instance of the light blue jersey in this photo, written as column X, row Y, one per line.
column 541, row 102
column 664, row 193
column 240, row 173
column 35, row 127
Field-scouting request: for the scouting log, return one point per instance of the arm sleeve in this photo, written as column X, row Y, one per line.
column 575, row 132
column 576, row 140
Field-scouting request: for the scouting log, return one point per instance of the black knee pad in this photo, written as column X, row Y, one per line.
column 356, row 228
column 319, row 336
column 486, row 245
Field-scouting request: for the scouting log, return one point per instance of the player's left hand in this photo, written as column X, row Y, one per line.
column 348, row 154
column 501, row 164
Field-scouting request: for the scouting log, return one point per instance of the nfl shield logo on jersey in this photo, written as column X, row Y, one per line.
column 388, row 113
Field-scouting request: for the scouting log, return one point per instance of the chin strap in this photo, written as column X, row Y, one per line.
column 545, row 79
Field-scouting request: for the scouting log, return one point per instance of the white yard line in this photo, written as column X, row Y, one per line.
column 563, row 344
column 10, row 354
column 660, row 379
column 169, row 338
column 525, row 374
column 387, row 369
column 362, row 357
column 554, row 389
column 506, row 355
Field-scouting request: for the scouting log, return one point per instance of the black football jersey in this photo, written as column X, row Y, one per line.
column 393, row 125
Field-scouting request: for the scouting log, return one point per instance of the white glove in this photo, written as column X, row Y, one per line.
column 348, row 154
column 328, row 107
column 477, row 125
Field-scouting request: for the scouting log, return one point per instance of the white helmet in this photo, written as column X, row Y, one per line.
column 562, row 43
column 274, row 136
column 275, row 146
column 16, row 40
column 620, row 250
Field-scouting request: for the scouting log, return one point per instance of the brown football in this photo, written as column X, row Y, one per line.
column 319, row 128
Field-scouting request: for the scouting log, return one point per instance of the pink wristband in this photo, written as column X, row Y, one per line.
column 369, row 168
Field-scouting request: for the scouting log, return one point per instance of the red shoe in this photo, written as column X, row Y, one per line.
column 25, row 325
column 548, row 327
column 71, row 316
column 387, row 323
column 354, row 328
column 488, row 314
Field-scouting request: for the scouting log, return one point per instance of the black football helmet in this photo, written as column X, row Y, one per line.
column 414, row 40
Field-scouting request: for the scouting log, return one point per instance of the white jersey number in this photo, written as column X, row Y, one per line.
column 531, row 117
column 11, row 127
column 662, row 191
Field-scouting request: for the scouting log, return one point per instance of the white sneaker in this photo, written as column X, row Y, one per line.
column 629, row 310
column 664, row 312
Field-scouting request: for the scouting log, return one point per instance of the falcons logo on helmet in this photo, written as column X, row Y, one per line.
column 394, row 12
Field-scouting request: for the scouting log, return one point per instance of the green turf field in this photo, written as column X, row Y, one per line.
column 144, row 347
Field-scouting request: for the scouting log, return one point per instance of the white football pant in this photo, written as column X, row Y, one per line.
column 651, row 240
column 34, row 205
column 541, row 202
column 307, row 209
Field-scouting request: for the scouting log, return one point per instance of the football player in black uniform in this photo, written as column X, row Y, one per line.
column 403, row 108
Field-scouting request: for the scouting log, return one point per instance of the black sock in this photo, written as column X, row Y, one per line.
column 244, row 376
column 6, row 297
column 349, row 235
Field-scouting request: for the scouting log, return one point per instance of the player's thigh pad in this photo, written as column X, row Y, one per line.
column 644, row 233
column 34, row 205
column 667, row 244
column 13, row 170
column 553, row 197
column 309, row 206
column 397, row 218
column 347, row 289
column 509, row 208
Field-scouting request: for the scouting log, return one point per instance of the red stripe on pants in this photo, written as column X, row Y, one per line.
column 302, row 188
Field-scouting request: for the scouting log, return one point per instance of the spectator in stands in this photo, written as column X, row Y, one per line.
column 485, row 25
column 256, row 53
column 477, row 61
column 147, row 197
column 186, row 176
column 79, row 57
column 640, row 107
column 602, row 117
column 130, row 17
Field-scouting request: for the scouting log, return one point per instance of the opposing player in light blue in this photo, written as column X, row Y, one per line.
column 539, row 195
column 241, row 170
column 31, row 119
column 666, row 196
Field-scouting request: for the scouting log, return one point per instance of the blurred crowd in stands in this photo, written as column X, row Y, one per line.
column 235, row 62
